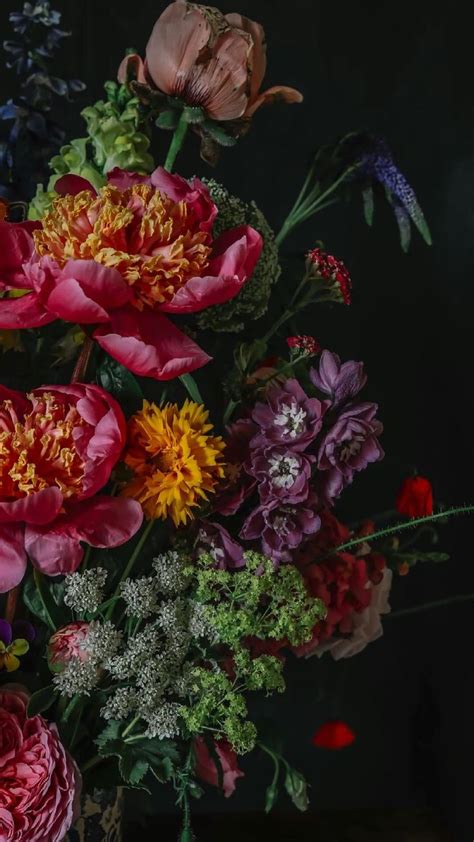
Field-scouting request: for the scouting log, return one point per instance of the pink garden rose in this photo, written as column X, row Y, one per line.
column 67, row 643
column 118, row 260
column 206, row 770
column 209, row 60
column 39, row 782
column 59, row 446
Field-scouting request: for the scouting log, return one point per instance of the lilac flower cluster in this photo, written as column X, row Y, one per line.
column 297, row 453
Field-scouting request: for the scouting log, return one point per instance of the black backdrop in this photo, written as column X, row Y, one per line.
column 403, row 71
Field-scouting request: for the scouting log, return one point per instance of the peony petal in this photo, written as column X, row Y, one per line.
column 24, row 312
column 12, row 556
column 101, row 522
column 85, row 292
column 39, row 508
column 238, row 252
column 123, row 179
column 16, row 248
column 71, row 185
column 194, row 193
column 279, row 92
column 176, row 42
column 149, row 344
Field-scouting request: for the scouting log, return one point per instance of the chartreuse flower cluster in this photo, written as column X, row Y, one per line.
column 183, row 663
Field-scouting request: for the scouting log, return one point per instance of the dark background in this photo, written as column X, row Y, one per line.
column 402, row 71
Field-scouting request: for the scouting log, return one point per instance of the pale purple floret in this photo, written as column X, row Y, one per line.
column 289, row 417
column 341, row 382
column 281, row 529
column 215, row 540
column 283, row 474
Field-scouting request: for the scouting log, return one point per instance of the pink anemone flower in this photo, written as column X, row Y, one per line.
column 208, row 60
column 58, row 446
column 118, row 260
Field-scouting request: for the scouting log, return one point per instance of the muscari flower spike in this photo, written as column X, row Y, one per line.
column 15, row 642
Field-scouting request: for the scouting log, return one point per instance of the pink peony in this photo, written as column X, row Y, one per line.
column 39, row 781
column 59, row 446
column 206, row 770
column 67, row 643
column 118, row 260
column 208, row 60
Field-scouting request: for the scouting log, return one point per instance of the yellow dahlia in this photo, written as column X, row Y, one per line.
column 175, row 462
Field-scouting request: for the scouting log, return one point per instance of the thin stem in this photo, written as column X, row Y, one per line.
column 141, row 543
column 399, row 527
column 176, row 143
column 94, row 761
column 131, row 726
column 80, row 369
column 309, row 206
column 426, row 606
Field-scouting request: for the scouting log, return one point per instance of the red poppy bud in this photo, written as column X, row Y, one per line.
column 334, row 735
column 415, row 498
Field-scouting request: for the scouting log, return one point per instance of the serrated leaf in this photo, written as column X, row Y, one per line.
column 133, row 769
column 167, row 120
column 42, row 700
column 297, row 788
column 121, row 384
column 110, row 732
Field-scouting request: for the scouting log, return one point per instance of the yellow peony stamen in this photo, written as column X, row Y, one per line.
column 176, row 463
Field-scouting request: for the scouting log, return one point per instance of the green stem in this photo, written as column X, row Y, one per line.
column 71, row 707
column 94, row 761
column 399, row 527
column 141, row 543
column 426, row 606
column 176, row 143
column 231, row 407
column 131, row 726
column 302, row 210
column 187, row 831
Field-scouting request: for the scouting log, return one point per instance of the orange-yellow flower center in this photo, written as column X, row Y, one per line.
column 39, row 451
column 176, row 464
column 154, row 242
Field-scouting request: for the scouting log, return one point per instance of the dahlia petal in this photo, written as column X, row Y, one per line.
column 101, row 522
column 177, row 39
column 12, row 556
column 27, row 311
column 149, row 344
column 268, row 97
column 16, row 248
column 86, row 291
column 71, row 185
column 238, row 251
column 39, row 508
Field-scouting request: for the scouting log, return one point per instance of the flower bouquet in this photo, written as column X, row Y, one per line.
column 172, row 449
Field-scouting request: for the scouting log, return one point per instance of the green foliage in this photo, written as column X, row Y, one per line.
column 42, row 700
column 44, row 599
column 138, row 755
column 120, row 382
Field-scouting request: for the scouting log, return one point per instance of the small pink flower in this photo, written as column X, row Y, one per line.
column 206, row 769
column 67, row 643
column 208, row 60
column 59, row 446
column 39, row 781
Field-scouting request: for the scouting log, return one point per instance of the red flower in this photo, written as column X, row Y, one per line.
column 59, row 445
column 415, row 498
column 206, row 769
column 334, row 735
column 307, row 344
column 119, row 259
column 332, row 271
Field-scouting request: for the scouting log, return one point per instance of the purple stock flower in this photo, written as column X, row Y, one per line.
column 349, row 446
column 214, row 539
column 281, row 528
column 283, row 474
column 289, row 417
column 341, row 382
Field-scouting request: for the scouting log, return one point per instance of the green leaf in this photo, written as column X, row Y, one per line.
column 42, row 700
column 297, row 788
column 195, row 790
column 167, row 120
column 191, row 387
column 271, row 796
column 38, row 598
column 248, row 354
column 119, row 382
column 110, row 732
column 368, row 200
column 218, row 134
column 133, row 769
column 193, row 114
column 162, row 768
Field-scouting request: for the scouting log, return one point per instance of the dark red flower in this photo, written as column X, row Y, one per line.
column 334, row 735
column 332, row 271
column 415, row 498
column 306, row 344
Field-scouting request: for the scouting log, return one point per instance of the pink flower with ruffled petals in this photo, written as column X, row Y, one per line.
column 118, row 260
column 39, row 782
column 208, row 60
column 206, row 769
column 59, row 446
column 67, row 644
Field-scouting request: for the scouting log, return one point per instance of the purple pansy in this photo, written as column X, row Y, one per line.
column 214, row 539
column 282, row 474
column 14, row 642
column 289, row 417
column 349, row 446
column 341, row 382
column 281, row 528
